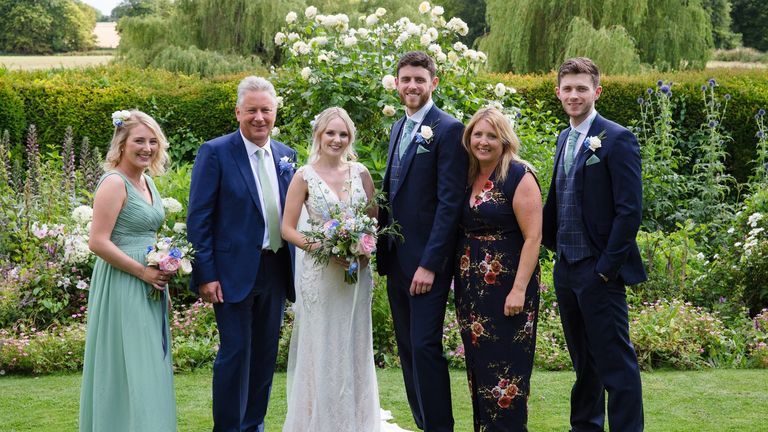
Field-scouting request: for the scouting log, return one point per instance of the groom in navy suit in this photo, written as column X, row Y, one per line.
column 242, row 265
column 591, row 218
column 424, row 183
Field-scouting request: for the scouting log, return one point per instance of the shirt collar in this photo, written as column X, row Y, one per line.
column 419, row 115
column 252, row 148
column 583, row 127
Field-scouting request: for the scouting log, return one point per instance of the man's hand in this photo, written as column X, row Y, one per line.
column 422, row 281
column 211, row 292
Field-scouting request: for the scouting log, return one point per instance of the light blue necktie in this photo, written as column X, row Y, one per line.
column 273, row 217
column 570, row 153
column 405, row 139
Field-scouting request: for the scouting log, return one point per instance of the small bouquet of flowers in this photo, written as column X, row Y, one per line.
column 170, row 254
column 348, row 232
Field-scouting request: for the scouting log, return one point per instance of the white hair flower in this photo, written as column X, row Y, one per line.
column 120, row 117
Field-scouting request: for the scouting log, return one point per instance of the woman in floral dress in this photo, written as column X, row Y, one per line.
column 497, row 298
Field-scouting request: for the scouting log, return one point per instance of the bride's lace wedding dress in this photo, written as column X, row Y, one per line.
column 331, row 377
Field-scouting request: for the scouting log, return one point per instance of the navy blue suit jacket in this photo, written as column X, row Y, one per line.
column 610, row 194
column 224, row 221
column 427, row 202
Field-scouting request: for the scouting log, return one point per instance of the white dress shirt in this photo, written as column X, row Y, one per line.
column 583, row 130
column 251, row 149
column 418, row 117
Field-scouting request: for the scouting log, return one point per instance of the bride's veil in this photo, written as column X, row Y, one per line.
column 297, row 306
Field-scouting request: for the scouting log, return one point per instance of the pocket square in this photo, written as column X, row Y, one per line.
column 593, row 160
column 421, row 149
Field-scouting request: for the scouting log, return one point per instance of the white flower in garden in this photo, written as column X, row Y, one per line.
column 481, row 56
column 82, row 285
column 292, row 36
column 437, row 11
column 301, row 47
column 460, row 47
column 380, row 12
column 371, row 20
column 731, row 230
column 350, row 41
column 401, row 39
column 441, row 57
column 76, row 249
column 433, row 33
column 412, row 29
column 179, row 227
column 319, row 19
column 275, row 131
column 306, row 73
column 280, row 38
column 322, row 57
column 310, row 12
column 318, row 41
column 291, row 17
column 496, row 104
column 754, row 218
column 500, row 90
column 458, row 26
column 424, row 7
column 434, row 49
column 82, row 214
column 388, row 82
column 362, row 32
column 700, row 256
column 388, row 110
column 453, row 57
column 755, row 231
column 172, row 205
column 511, row 90
column 425, row 39
column 279, row 101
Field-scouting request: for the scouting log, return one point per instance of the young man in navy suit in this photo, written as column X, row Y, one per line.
column 424, row 183
column 591, row 218
column 242, row 265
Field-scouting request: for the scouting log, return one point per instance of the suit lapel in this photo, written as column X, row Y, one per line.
column 407, row 159
column 584, row 152
column 241, row 160
column 560, row 149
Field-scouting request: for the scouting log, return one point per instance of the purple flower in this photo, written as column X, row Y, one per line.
column 722, row 299
column 640, row 101
column 703, row 87
column 649, row 91
column 727, row 96
column 712, row 123
column 760, row 134
column 712, row 82
column 761, row 112
column 659, row 83
column 665, row 89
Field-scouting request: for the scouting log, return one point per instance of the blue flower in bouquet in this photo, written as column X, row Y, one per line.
column 175, row 253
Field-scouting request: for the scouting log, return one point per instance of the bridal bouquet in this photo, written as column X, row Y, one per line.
column 347, row 232
column 171, row 254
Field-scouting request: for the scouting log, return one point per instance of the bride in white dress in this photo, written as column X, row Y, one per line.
column 331, row 376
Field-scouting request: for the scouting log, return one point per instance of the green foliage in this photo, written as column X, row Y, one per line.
column 43, row 27
column 194, row 61
column 133, row 8
column 720, row 16
column 613, row 47
column 473, row 13
column 527, row 35
column 41, row 352
column 750, row 18
column 746, row 55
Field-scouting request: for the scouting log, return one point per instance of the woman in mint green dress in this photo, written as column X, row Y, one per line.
column 127, row 372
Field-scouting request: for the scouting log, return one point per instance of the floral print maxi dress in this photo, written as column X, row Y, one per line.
column 499, row 349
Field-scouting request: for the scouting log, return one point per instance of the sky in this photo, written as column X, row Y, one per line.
column 105, row 6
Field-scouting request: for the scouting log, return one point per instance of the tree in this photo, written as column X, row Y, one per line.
column 532, row 35
column 472, row 12
column 750, row 18
column 134, row 8
column 42, row 27
column 720, row 16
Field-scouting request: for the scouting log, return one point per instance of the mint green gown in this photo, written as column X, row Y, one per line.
column 127, row 376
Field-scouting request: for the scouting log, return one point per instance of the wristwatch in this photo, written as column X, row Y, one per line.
column 605, row 278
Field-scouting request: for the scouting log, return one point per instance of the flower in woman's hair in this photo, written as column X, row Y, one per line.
column 120, row 117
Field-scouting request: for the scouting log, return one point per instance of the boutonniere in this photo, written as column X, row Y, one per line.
column 286, row 165
column 425, row 135
column 594, row 142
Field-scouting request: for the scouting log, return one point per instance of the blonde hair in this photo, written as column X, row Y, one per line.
column 510, row 143
column 321, row 124
column 115, row 152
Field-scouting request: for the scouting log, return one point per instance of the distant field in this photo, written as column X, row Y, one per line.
column 51, row 62
column 729, row 64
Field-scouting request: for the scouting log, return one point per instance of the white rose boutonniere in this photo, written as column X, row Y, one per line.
column 594, row 142
column 425, row 135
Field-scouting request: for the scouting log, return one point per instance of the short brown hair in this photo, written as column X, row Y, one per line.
column 417, row 59
column 579, row 65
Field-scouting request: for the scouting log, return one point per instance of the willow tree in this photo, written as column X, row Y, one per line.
column 533, row 35
column 234, row 26
column 610, row 48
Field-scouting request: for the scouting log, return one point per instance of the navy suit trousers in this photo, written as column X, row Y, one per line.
column 249, row 332
column 595, row 321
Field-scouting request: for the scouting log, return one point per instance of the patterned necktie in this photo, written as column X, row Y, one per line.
column 573, row 136
column 273, row 217
column 405, row 139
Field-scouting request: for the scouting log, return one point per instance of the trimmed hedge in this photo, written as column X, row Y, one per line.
column 85, row 99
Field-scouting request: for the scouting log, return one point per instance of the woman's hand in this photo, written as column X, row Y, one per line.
column 514, row 302
column 156, row 277
column 343, row 261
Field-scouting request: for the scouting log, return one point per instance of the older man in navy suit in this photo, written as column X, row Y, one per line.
column 591, row 218
column 242, row 265
column 425, row 181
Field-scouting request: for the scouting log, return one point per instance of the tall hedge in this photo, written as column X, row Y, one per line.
column 85, row 99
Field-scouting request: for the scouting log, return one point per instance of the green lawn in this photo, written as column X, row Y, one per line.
column 713, row 400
